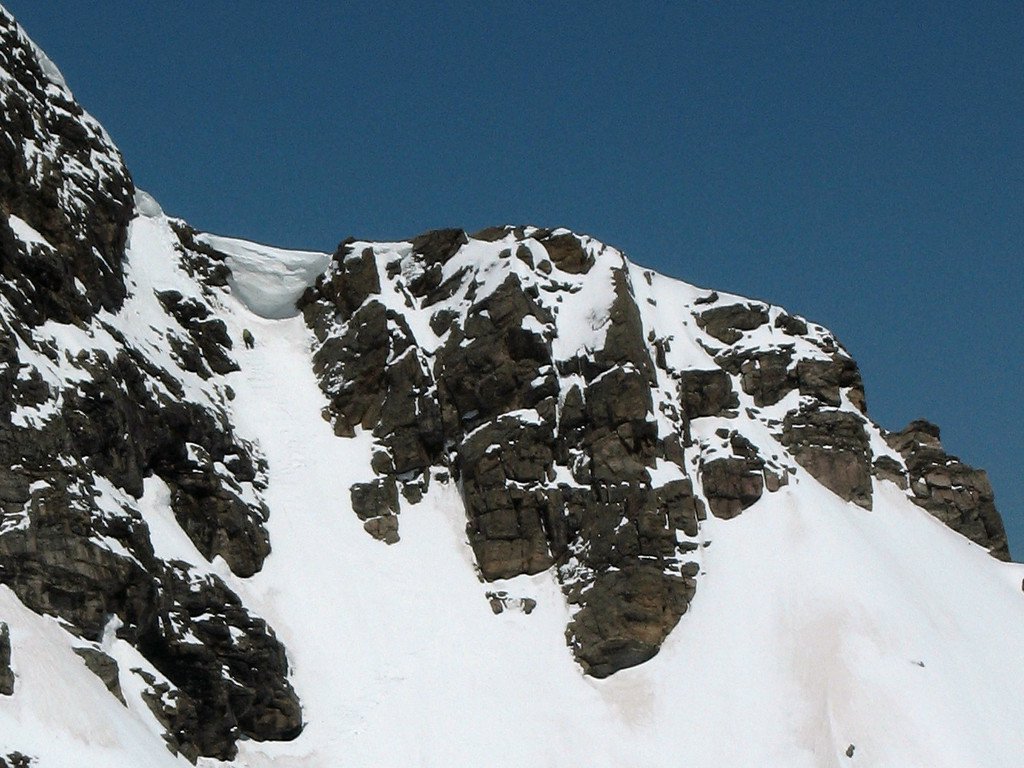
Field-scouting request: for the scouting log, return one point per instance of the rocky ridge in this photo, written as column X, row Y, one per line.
column 591, row 414
column 110, row 393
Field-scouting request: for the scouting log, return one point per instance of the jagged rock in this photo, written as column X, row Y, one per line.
column 351, row 284
column 104, row 667
column 411, row 421
column 620, row 439
column 175, row 711
column 887, row 468
column 383, row 528
column 728, row 323
column 566, row 252
column 957, row 494
column 626, row 616
column 219, row 522
column 493, row 367
column 767, row 376
column 434, row 248
column 72, row 541
column 208, row 334
column 376, row 503
column 823, row 379
column 61, row 176
column 54, row 566
column 227, row 661
column 501, row 601
column 6, row 672
column 732, row 484
column 624, row 339
column 506, row 524
column 16, row 760
column 201, row 261
column 791, row 325
column 706, row 393
column 833, row 447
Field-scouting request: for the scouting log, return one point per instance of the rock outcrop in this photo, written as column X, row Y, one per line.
column 110, row 390
column 588, row 413
column 958, row 495
column 6, row 672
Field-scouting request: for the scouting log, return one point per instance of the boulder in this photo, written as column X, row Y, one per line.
column 728, row 323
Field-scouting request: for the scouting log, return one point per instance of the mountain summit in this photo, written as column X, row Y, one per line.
column 501, row 498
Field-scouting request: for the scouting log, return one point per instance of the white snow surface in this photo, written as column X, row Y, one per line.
column 268, row 280
column 816, row 625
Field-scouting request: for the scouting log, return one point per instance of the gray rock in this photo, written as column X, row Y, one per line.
column 6, row 672
column 728, row 323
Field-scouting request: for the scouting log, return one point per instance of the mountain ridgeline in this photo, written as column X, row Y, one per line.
column 591, row 417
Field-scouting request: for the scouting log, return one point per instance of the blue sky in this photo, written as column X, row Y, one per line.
column 861, row 164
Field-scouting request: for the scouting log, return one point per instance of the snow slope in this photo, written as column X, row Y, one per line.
column 818, row 625
column 821, row 635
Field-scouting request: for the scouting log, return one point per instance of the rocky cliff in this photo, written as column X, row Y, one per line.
column 590, row 418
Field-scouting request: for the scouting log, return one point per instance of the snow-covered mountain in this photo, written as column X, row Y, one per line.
column 499, row 499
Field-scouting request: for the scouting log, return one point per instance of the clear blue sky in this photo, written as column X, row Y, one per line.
column 861, row 164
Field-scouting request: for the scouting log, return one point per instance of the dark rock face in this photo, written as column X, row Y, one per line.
column 623, row 622
column 6, row 673
column 728, row 323
column 556, row 452
column 485, row 408
column 958, row 495
column 566, row 252
column 61, row 176
column 886, row 468
column 104, row 667
column 833, row 447
column 732, row 484
column 82, row 429
column 253, row 697
column 533, row 379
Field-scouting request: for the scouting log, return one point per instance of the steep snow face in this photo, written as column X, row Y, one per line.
column 817, row 626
